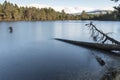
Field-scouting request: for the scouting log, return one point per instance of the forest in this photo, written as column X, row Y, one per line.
column 12, row 12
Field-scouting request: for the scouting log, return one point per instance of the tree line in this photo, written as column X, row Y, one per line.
column 9, row 12
column 12, row 12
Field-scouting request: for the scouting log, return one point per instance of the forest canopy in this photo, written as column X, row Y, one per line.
column 12, row 12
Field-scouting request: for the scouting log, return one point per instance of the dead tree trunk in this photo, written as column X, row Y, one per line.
column 105, row 35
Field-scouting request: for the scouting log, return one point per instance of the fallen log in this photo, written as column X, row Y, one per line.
column 100, row 46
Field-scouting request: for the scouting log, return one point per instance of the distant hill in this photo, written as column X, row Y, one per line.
column 96, row 12
column 99, row 12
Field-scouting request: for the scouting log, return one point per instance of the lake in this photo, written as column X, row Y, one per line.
column 31, row 53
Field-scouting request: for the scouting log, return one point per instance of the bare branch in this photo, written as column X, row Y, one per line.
column 95, row 34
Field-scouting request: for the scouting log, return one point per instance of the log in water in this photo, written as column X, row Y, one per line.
column 106, row 47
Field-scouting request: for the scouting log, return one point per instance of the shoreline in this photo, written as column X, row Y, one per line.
column 50, row 20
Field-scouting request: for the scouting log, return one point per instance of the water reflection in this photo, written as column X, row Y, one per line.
column 30, row 53
column 70, row 30
column 111, row 74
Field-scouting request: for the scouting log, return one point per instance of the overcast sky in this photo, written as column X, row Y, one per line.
column 67, row 4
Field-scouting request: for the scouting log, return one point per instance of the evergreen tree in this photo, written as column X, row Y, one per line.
column 11, row 12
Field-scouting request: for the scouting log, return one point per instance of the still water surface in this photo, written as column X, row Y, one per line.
column 31, row 53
